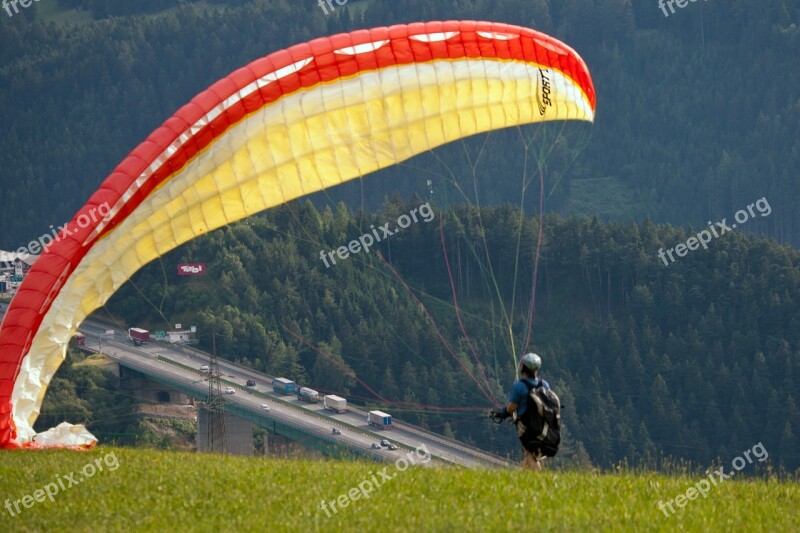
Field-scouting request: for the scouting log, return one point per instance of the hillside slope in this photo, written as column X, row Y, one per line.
column 160, row 491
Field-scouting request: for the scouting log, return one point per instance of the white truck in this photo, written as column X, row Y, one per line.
column 308, row 395
column 379, row 419
column 335, row 403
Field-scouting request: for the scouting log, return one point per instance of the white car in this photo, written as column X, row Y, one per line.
column 204, row 368
column 376, row 446
column 229, row 390
column 265, row 407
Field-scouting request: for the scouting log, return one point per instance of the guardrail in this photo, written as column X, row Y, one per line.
column 222, row 362
column 464, row 448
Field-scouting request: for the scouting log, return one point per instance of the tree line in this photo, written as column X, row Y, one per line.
column 684, row 132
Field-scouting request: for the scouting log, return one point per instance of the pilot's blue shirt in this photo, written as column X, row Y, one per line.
column 519, row 393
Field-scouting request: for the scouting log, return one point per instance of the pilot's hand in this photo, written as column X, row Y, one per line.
column 501, row 413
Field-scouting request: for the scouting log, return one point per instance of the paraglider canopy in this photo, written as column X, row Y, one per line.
column 292, row 123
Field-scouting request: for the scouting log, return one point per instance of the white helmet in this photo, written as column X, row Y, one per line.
column 531, row 362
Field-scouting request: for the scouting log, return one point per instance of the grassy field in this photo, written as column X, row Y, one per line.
column 608, row 198
column 50, row 11
column 143, row 490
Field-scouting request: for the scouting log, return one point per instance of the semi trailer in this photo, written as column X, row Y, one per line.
column 308, row 395
column 138, row 336
column 335, row 403
column 379, row 419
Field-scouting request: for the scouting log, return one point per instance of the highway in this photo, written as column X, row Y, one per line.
column 183, row 364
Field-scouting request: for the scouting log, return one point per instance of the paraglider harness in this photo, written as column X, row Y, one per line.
column 539, row 427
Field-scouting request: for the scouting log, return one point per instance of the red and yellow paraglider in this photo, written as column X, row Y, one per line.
column 292, row 123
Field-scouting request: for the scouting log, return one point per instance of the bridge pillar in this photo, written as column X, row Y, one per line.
column 238, row 433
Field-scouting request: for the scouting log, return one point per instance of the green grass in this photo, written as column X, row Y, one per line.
column 50, row 11
column 168, row 491
column 98, row 359
column 608, row 198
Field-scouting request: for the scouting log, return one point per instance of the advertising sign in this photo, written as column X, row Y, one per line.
column 191, row 269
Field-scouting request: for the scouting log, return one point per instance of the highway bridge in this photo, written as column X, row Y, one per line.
column 309, row 423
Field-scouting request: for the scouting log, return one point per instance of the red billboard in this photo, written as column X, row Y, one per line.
column 191, row 269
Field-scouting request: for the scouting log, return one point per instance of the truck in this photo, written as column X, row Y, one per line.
column 335, row 403
column 308, row 395
column 283, row 385
column 138, row 336
column 379, row 419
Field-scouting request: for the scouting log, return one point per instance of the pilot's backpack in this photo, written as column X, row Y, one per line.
column 540, row 425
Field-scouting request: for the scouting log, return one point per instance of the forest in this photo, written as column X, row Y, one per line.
column 697, row 112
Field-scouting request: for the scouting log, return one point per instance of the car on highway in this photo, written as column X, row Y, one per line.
column 392, row 446
column 376, row 446
column 265, row 407
column 251, row 383
column 204, row 368
column 336, row 431
column 229, row 390
column 385, row 443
